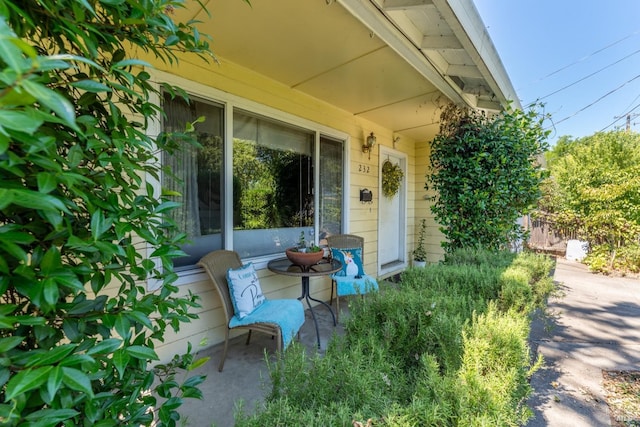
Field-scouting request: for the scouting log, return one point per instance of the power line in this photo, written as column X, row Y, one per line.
column 587, row 76
column 627, row 115
column 631, row 103
column 596, row 101
column 586, row 57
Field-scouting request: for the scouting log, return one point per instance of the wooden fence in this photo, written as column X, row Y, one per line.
column 543, row 238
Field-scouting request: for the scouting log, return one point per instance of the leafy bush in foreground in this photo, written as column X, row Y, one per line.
column 81, row 232
column 442, row 348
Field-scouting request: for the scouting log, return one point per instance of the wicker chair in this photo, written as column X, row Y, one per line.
column 272, row 312
column 355, row 286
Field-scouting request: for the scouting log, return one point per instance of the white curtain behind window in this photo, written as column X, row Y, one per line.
column 183, row 167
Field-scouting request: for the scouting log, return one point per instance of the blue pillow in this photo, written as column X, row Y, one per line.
column 351, row 260
column 245, row 290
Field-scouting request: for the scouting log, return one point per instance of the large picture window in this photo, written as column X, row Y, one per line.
column 271, row 194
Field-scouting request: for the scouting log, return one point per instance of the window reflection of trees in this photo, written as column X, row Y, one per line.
column 272, row 188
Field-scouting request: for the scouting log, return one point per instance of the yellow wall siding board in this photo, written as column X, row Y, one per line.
column 198, row 287
column 363, row 227
column 359, row 180
column 177, row 343
column 208, row 300
column 209, row 323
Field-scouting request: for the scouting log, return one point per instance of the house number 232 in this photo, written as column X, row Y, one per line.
column 364, row 168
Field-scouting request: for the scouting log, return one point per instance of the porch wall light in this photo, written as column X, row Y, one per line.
column 369, row 143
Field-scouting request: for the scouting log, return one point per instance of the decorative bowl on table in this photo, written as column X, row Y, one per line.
column 304, row 258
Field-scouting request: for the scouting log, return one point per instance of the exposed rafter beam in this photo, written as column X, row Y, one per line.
column 489, row 105
column 440, row 42
column 405, row 4
column 481, row 97
column 477, row 90
column 469, row 71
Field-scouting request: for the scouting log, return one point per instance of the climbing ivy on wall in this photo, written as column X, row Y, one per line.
column 485, row 174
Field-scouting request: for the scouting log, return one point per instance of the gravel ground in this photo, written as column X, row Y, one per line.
column 623, row 397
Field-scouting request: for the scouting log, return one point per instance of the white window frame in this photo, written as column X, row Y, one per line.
column 231, row 102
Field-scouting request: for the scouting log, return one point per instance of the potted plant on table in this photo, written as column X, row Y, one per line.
column 304, row 254
column 419, row 253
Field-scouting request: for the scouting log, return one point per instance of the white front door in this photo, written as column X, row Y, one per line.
column 392, row 218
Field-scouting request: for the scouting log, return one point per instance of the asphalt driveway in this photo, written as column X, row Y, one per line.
column 593, row 324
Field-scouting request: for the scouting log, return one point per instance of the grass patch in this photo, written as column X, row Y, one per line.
column 446, row 346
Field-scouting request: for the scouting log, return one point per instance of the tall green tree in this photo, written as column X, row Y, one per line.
column 486, row 174
column 81, row 231
column 559, row 149
column 593, row 192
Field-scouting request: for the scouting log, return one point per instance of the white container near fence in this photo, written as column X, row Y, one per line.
column 576, row 250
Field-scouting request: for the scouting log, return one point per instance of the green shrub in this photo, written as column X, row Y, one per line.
column 607, row 260
column 282, row 413
column 495, row 370
column 357, row 375
column 599, row 259
column 484, row 174
column 537, row 265
column 408, row 323
column 425, row 312
column 593, row 195
column 434, row 350
column 526, row 282
column 434, row 402
column 478, row 282
column 398, row 322
column 628, row 259
column 479, row 257
column 517, row 292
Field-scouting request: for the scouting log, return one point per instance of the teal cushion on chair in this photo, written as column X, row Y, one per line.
column 286, row 313
column 352, row 280
column 351, row 260
column 346, row 285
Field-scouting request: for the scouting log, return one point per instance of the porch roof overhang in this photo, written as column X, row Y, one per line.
column 393, row 62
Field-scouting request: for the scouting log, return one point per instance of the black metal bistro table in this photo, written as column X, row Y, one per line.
column 323, row 268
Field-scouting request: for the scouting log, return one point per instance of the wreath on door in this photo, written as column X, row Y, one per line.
column 391, row 178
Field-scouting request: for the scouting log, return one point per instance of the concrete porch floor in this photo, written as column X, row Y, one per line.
column 245, row 376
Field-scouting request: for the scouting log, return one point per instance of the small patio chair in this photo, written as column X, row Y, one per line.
column 352, row 279
column 281, row 318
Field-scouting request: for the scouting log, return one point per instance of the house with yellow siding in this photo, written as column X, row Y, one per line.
column 306, row 102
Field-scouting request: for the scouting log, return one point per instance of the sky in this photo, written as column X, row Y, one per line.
column 580, row 58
